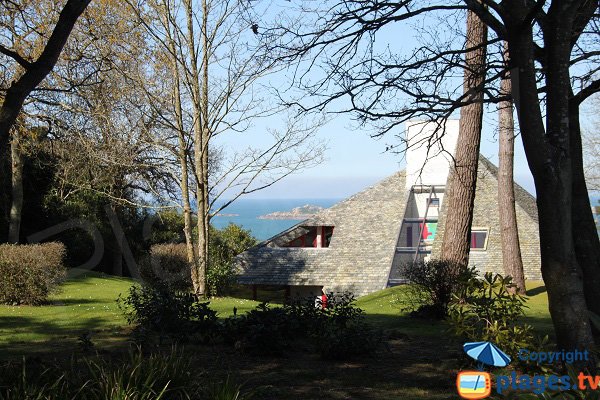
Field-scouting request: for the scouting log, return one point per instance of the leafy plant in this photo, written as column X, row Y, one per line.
column 224, row 245
column 432, row 286
column 489, row 311
column 164, row 311
column 262, row 331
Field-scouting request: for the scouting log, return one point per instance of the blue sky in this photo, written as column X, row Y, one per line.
column 354, row 160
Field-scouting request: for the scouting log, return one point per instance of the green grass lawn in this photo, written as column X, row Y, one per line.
column 86, row 302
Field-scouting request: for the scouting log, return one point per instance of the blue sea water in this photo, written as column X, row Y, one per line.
column 245, row 212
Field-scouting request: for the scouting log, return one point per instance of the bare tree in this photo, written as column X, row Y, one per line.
column 509, row 232
column 214, row 64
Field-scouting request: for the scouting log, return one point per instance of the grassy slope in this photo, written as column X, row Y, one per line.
column 86, row 302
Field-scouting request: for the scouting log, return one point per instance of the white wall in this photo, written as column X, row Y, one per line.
column 428, row 154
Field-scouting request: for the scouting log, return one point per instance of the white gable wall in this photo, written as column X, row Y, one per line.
column 428, row 161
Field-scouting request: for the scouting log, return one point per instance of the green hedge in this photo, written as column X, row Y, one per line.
column 29, row 273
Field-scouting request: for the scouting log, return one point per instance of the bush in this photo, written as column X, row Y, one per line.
column 167, row 264
column 432, row 286
column 29, row 273
column 262, row 331
column 339, row 343
column 343, row 332
column 488, row 311
column 336, row 332
column 167, row 312
column 225, row 244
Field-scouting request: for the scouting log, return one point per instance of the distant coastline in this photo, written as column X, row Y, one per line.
column 297, row 213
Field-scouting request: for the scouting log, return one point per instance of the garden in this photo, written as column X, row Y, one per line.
column 97, row 336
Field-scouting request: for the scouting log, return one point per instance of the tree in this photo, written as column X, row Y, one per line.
column 209, row 55
column 509, row 232
column 34, row 67
column 547, row 41
column 462, row 181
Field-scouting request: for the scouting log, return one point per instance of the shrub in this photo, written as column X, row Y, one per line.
column 167, row 312
column 262, row 331
column 29, row 273
column 338, row 343
column 488, row 311
column 432, row 286
column 342, row 331
column 336, row 332
column 224, row 245
column 167, row 264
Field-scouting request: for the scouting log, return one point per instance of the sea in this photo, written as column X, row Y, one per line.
column 245, row 212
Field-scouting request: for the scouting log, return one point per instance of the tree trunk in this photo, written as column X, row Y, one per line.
column 36, row 71
column 16, row 209
column 206, row 54
column 584, row 232
column 551, row 169
column 460, row 194
column 509, row 233
column 199, row 270
column 182, row 155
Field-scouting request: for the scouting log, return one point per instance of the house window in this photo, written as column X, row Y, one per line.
column 434, row 202
column 317, row 236
column 479, row 238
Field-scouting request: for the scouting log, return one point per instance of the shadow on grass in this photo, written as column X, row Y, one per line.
column 535, row 291
column 35, row 326
column 74, row 302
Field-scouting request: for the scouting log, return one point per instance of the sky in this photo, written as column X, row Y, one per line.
column 354, row 160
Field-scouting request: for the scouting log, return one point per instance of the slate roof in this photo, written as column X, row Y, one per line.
column 522, row 197
column 359, row 257
column 361, row 253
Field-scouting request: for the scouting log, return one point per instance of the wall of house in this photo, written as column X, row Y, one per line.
column 485, row 215
column 427, row 161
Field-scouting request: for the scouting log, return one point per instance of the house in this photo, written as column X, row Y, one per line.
column 358, row 244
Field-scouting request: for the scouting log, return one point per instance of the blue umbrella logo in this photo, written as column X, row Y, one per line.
column 486, row 353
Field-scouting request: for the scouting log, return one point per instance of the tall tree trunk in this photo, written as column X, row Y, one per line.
column 509, row 233
column 551, row 169
column 460, row 194
column 199, row 271
column 584, row 232
column 206, row 54
column 182, row 151
column 16, row 209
